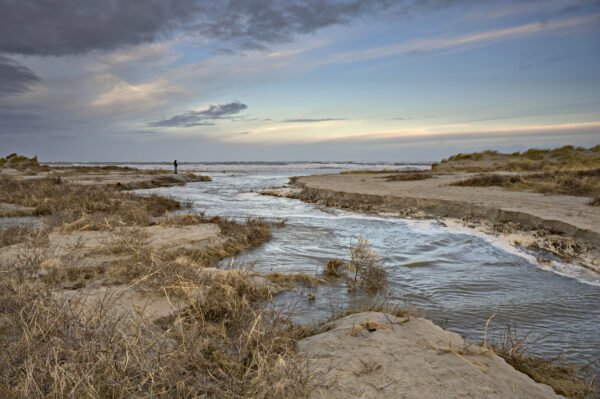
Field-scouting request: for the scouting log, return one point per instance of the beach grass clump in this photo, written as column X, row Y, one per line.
column 364, row 268
column 569, row 380
column 577, row 183
column 409, row 176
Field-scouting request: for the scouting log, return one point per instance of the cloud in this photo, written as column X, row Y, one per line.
column 15, row 78
column 62, row 27
column 311, row 120
column 442, row 43
column 202, row 118
column 125, row 97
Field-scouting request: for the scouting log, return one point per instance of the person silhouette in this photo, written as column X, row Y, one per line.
column 175, row 167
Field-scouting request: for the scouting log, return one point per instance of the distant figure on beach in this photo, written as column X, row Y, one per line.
column 175, row 165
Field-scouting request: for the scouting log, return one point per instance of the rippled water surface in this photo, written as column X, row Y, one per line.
column 458, row 278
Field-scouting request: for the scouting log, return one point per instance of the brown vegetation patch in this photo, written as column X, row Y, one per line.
column 409, row 176
column 566, row 379
column 567, row 158
column 83, row 207
column 226, row 345
column 364, row 269
column 578, row 183
column 163, row 181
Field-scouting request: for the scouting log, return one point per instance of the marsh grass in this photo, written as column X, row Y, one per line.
column 578, row 183
column 570, row 380
column 83, row 207
column 230, row 347
column 364, row 268
column 166, row 180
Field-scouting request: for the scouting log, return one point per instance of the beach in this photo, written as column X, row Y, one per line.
column 152, row 261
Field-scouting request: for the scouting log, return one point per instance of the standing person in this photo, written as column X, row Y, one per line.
column 175, row 165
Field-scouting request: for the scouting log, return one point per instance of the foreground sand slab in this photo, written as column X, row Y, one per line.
column 412, row 358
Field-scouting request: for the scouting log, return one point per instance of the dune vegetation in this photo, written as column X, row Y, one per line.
column 579, row 183
column 567, row 158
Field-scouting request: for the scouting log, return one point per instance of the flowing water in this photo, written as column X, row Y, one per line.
column 457, row 276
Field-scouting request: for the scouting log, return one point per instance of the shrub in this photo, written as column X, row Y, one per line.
column 364, row 269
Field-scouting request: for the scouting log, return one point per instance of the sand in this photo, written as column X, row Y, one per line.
column 409, row 358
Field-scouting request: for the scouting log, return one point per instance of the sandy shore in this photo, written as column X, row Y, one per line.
column 564, row 225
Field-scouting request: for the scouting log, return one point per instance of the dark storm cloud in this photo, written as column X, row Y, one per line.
column 60, row 27
column 311, row 120
column 202, row 118
column 15, row 78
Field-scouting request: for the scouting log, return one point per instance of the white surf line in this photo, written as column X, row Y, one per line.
column 432, row 226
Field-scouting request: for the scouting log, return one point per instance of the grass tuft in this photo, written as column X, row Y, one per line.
column 364, row 269
column 566, row 379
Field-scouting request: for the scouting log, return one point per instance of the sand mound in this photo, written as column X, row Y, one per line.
column 374, row 355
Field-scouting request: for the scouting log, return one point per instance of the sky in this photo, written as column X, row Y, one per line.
column 314, row 80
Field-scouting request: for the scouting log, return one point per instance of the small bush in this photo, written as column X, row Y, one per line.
column 364, row 269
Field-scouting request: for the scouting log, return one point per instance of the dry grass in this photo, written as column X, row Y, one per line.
column 566, row 379
column 164, row 181
column 83, row 207
column 364, row 269
column 226, row 342
column 578, row 183
column 335, row 268
column 18, row 233
column 227, row 345
column 291, row 279
column 567, row 158
column 409, row 176
column 19, row 162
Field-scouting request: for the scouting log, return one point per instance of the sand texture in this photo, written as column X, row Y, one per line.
column 406, row 358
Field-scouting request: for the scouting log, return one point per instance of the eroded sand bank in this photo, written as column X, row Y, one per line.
column 564, row 225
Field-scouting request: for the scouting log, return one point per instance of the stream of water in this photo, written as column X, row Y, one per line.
column 456, row 276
